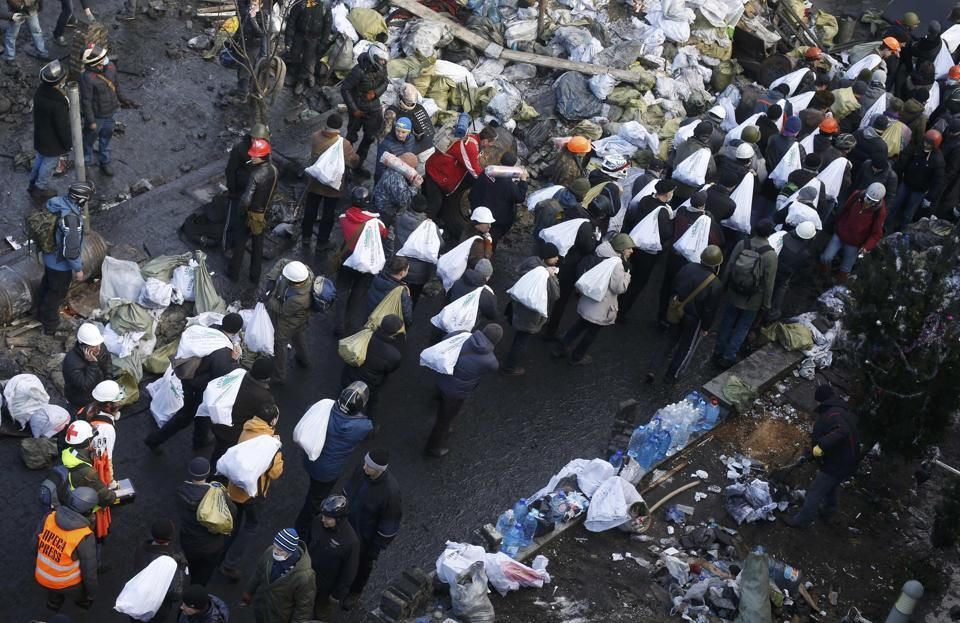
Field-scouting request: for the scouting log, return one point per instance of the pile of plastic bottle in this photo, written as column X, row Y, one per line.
column 517, row 526
column 670, row 428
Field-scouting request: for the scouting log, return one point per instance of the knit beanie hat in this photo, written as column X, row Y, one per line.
column 195, row 597
column 494, row 333
column 485, row 268
column 199, row 468
column 287, row 540
column 548, row 250
column 162, row 530
column 232, row 323
column 824, row 392
column 391, row 324
column 263, row 368
column 378, row 459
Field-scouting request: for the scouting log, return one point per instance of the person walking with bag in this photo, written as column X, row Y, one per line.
column 202, row 546
column 289, row 298
column 525, row 320
column 321, row 199
column 352, row 284
column 419, row 271
column 695, row 300
column 252, row 397
column 160, row 544
column 254, row 203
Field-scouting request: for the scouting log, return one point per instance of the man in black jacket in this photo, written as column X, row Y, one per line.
column 310, row 24
column 236, row 177
column 253, row 206
column 375, row 515
column 643, row 262
column 501, row 196
column 99, row 101
column 334, row 554
column 202, row 548
column 51, row 128
column 213, row 366
column 87, row 363
column 254, row 393
column 383, row 358
column 836, row 447
column 697, row 286
column 390, row 278
column 160, row 544
column 361, row 91
column 793, row 258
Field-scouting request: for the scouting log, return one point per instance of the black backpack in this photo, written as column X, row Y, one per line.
column 71, row 234
column 745, row 274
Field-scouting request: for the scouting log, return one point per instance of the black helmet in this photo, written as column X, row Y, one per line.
column 81, row 191
column 600, row 207
column 361, row 197
column 335, row 506
column 53, row 72
column 83, row 500
column 354, row 398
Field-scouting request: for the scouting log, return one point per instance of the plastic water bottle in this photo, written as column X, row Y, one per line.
column 505, row 522
column 558, row 507
column 617, row 460
column 463, row 125
column 520, row 510
column 650, row 451
column 712, row 414
column 530, row 523
column 663, row 440
column 636, row 441
column 512, row 541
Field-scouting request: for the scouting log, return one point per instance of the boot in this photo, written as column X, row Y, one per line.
column 841, row 278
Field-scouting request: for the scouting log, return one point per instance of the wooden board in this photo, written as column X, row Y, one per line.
column 498, row 52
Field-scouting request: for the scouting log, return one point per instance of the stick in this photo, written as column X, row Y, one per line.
column 659, row 481
column 806, row 597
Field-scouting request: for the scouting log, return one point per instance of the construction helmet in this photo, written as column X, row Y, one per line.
column 829, row 126
column 579, row 145
column 89, row 335
column 933, row 136
column 911, row 19
column 892, row 43
column 79, row 432
column 259, row 148
column 745, row 151
column 812, row 53
column 361, row 197
column 335, row 506
column 806, row 230
column 296, row 272
column 711, row 256
column 107, row 391
column 94, row 54
column 354, row 398
column 875, row 192
column 377, row 53
column 260, row 130
column 81, row 191
column 53, row 72
column 83, row 500
column 482, row 214
column 750, row 134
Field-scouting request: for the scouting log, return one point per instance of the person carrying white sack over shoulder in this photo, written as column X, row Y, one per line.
column 531, row 299
column 287, row 294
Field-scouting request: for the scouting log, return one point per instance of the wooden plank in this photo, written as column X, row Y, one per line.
column 497, row 52
column 761, row 369
column 33, row 324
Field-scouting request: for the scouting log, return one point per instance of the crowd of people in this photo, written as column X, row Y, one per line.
column 600, row 238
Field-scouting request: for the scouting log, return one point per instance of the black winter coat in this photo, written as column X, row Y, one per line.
column 866, row 176
column 313, row 21
column 835, row 431
column 98, row 93
column 362, row 79
column 407, row 222
column 194, row 536
column 252, row 396
column 238, row 171
column 51, row 122
column 81, row 376
column 705, row 305
column 921, row 171
column 213, row 366
column 777, row 148
column 335, row 556
column 216, row 613
column 470, row 281
column 383, row 357
column 583, row 246
column 640, row 211
column 950, row 197
column 150, row 551
column 794, row 256
column 719, row 204
column 261, row 183
column 382, row 285
column 375, row 509
column 501, row 195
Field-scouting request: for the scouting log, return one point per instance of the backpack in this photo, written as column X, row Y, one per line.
column 54, row 487
column 41, row 226
column 323, row 295
column 745, row 274
column 38, row 453
column 71, row 235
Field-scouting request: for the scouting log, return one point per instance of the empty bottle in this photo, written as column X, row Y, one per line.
column 512, row 541
column 505, row 522
column 520, row 510
column 530, row 523
column 636, row 441
column 617, row 460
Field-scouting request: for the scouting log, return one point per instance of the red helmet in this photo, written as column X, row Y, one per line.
column 954, row 73
column 934, row 137
column 259, row 148
column 813, row 54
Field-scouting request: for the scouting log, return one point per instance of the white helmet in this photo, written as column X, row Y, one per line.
column 806, row 230
column 78, row 433
column 482, row 215
column 718, row 112
column 745, row 151
column 875, row 192
column 89, row 335
column 107, row 391
column 295, row 272
column 377, row 52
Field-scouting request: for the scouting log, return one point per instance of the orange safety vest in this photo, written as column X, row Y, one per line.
column 56, row 568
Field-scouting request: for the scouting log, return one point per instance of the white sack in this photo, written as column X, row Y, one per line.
column 367, row 256
column 246, row 462
column 610, row 504
column 220, row 396
column 594, row 283
column 442, row 357
column 452, row 264
column 530, row 290
column 310, row 433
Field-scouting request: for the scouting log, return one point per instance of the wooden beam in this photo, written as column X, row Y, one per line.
column 499, row 52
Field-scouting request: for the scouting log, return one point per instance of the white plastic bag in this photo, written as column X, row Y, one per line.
column 646, row 233
column 155, row 294
column 943, row 62
column 452, row 264
column 832, row 176
column 506, row 574
column 48, row 421
column 792, row 80
column 530, row 290
column 876, row 109
column 807, row 142
column 205, row 319
column 610, row 504
column 563, row 235
column 594, row 283
column 341, row 24
column 602, row 85
column 775, row 240
column 166, row 396
column 801, row 101
column 200, row 341
column 220, row 396
column 456, row 559
column 636, row 133
column 423, row 243
column 24, row 395
column 541, row 195
column 183, row 280
column 442, row 357
column 693, row 170
column 120, row 279
column 143, row 594
column 330, row 165
column 469, row 596
column 933, row 100
column 367, row 256
column 870, row 61
column 684, row 132
column 594, row 473
column 461, row 314
column 246, row 462
column 742, row 195
column 693, row 241
column 258, row 333
column 791, row 162
column 646, row 191
column 310, row 433
column 737, row 132
column 951, row 37
column 799, row 212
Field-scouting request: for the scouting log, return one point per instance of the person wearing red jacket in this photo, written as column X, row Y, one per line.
column 450, row 174
column 351, row 283
column 859, row 229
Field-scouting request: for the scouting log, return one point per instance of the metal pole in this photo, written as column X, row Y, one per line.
column 76, row 129
column 903, row 609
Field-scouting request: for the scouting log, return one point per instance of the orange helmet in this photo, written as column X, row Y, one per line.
column 579, row 145
column 259, row 148
column 892, row 44
column 812, row 54
column 934, row 137
column 829, row 126
column 954, row 73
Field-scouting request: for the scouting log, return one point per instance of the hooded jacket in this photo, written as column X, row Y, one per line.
column 382, row 285
column 886, row 176
column 604, row 311
column 51, row 121
column 344, row 434
column 476, row 360
column 289, row 598
column 335, row 555
column 470, row 281
column 383, row 358
column 194, row 536
column 375, row 509
column 255, row 427
column 81, row 376
column 61, row 206
column 522, row 317
column 858, row 226
column 835, row 431
column 86, row 551
column 351, row 225
column 366, row 76
column 216, row 613
column 768, row 274
column 407, row 222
